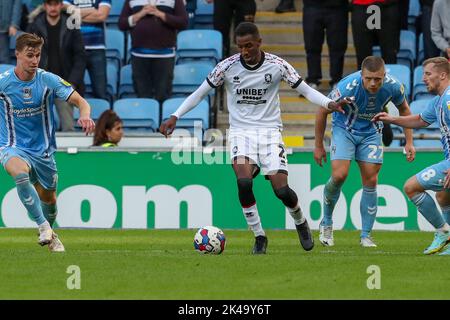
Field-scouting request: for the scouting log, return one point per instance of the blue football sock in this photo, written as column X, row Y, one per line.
column 29, row 197
column 446, row 213
column 50, row 212
column 331, row 194
column 368, row 207
column 426, row 206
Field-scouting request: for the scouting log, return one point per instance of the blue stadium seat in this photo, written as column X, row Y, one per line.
column 396, row 142
column 403, row 74
column 111, row 85
column 204, row 15
column 98, row 106
column 200, row 113
column 113, row 18
column 421, row 50
column 413, row 14
column 138, row 113
column 199, row 44
column 407, row 53
column 189, row 76
column 416, row 108
column 5, row 67
column 126, row 89
column 115, row 44
column 420, row 91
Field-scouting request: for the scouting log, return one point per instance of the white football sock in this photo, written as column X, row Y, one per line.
column 254, row 222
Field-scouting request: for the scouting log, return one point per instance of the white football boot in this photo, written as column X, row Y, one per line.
column 56, row 245
column 367, row 242
column 45, row 233
column 326, row 235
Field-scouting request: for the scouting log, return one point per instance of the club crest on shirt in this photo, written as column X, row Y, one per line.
column 235, row 149
column 26, row 93
column 267, row 78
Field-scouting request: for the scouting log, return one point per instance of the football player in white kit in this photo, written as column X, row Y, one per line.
column 252, row 79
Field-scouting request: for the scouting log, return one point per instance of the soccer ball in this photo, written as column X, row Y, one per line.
column 209, row 239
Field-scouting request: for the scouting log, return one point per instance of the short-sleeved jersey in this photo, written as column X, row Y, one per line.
column 358, row 115
column 252, row 92
column 26, row 111
column 438, row 110
column 93, row 33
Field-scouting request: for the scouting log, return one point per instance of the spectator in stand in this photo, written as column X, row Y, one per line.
column 429, row 47
column 93, row 16
column 440, row 26
column 153, row 39
column 320, row 17
column 225, row 11
column 62, row 53
column 108, row 130
column 386, row 34
column 10, row 12
column 285, row 6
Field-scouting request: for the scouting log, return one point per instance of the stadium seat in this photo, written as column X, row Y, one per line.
column 199, row 44
column 113, row 18
column 115, row 44
column 420, row 91
column 111, row 79
column 413, row 14
column 199, row 113
column 407, row 53
column 420, row 51
column 402, row 73
column 416, row 108
column 98, row 106
column 5, row 67
column 126, row 89
column 189, row 76
column 138, row 113
column 396, row 130
column 204, row 15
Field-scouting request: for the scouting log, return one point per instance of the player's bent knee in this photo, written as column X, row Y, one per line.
column 245, row 188
column 339, row 178
column 410, row 189
column 287, row 195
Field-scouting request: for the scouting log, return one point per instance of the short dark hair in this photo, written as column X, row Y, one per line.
column 372, row 63
column 28, row 40
column 440, row 63
column 246, row 28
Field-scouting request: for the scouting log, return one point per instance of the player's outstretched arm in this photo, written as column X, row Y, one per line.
column 321, row 123
column 317, row 98
column 411, row 121
column 190, row 103
column 85, row 121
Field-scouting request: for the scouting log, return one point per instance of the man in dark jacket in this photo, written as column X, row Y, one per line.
column 62, row 54
column 154, row 28
column 320, row 18
column 367, row 33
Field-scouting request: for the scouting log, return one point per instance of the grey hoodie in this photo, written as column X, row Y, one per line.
column 440, row 24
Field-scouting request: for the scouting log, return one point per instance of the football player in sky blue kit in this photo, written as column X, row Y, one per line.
column 27, row 133
column 436, row 75
column 355, row 136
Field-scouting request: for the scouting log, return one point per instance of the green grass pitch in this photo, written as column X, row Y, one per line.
column 162, row 264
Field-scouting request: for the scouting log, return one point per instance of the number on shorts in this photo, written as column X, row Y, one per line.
column 427, row 175
column 373, row 152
